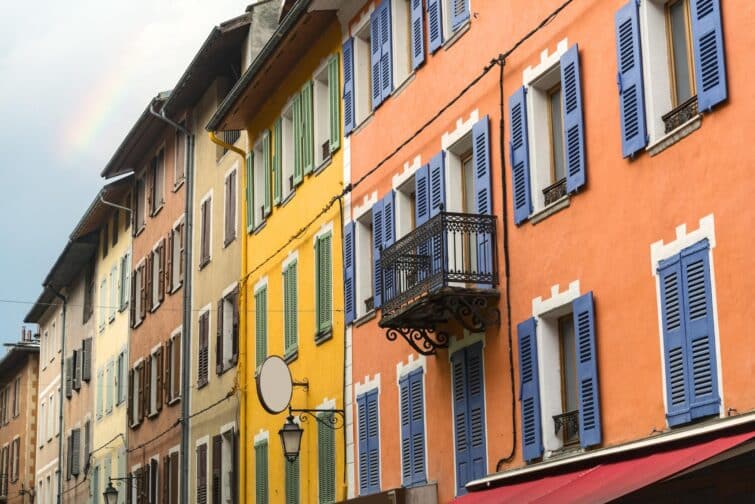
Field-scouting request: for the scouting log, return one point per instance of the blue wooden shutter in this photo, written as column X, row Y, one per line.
column 481, row 163
column 406, row 431
column 389, row 236
column 373, row 442
column 348, row 273
column 520, row 156
column 459, row 13
column 587, row 371
column 631, row 93
column 698, row 324
column 362, row 442
column 377, row 246
column 461, row 431
column 375, row 53
column 708, row 47
column 574, row 129
column 437, row 186
column 417, row 423
column 674, row 347
column 529, row 395
column 386, row 58
column 422, row 195
column 418, row 34
column 348, row 86
column 476, row 403
column 435, row 22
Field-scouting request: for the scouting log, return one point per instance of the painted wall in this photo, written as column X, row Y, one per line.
column 321, row 364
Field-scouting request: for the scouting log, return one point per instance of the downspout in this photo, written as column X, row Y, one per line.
column 59, row 497
column 241, row 365
column 186, row 322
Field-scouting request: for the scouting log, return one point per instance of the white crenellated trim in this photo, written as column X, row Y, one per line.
column 547, row 61
column 202, row 440
column 327, row 404
column 261, row 436
column 230, row 426
column 261, row 284
column 178, row 221
column 291, row 258
column 409, row 169
column 455, row 344
column 558, row 299
column 324, row 229
column 411, row 365
column 230, row 288
column 462, row 128
column 368, row 200
column 660, row 251
column 363, row 20
column 367, row 385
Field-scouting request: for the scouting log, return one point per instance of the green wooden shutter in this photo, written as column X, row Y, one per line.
column 307, row 128
column 326, row 483
column 324, row 283
column 334, row 102
column 266, row 168
column 290, row 297
column 249, row 192
column 277, row 166
column 298, row 162
column 292, row 481
column 260, row 319
column 261, row 472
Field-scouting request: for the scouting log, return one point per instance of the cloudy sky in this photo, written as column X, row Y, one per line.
column 74, row 76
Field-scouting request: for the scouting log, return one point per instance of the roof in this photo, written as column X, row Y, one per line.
column 139, row 139
column 221, row 48
column 300, row 26
column 97, row 213
column 16, row 352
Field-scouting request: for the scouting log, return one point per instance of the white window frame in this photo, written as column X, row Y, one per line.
column 287, row 152
column 176, row 335
column 364, row 286
column 228, row 308
column 124, row 281
column 448, row 31
column 113, row 293
column 321, row 116
column 101, row 309
column 208, row 310
column 160, row 172
column 176, row 254
column 401, row 47
column 138, row 273
column 226, row 465
column 155, row 256
column 362, row 69
column 227, row 240
column 207, row 196
column 258, row 183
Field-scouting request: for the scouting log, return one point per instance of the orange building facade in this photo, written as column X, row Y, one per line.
column 570, row 294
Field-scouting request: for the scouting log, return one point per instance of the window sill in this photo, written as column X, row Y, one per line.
column 288, row 198
column 551, row 209
column 155, row 307
column 324, row 164
column 323, row 336
column 229, row 241
column 179, row 184
column 175, row 288
column 675, row 135
column 121, row 309
column 291, row 356
column 204, row 263
column 364, row 123
column 110, row 320
column 404, row 84
column 460, row 31
column 260, row 227
column 365, row 318
column 201, row 385
column 157, row 210
column 173, row 401
column 140, row 230
column 137, row 323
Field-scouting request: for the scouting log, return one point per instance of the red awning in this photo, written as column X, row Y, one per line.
column 607, row 481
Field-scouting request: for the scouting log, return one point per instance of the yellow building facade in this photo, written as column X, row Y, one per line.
column 292, row 281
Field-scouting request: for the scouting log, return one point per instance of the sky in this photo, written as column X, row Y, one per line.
column 74, row 76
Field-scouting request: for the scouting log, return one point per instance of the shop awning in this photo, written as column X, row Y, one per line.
column 609, row 480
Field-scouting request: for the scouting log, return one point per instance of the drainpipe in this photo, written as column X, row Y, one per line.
column 186, row 322
column 241, row 365
column 59, row 497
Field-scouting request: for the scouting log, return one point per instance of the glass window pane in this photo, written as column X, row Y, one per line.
column 680, row 49
column 557, row 135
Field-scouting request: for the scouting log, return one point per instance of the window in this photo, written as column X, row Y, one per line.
column 292, row 481
column 227, row 341
column 157, row 182
column 136, row 394
column 114, row 226
column 53, row 341
column 94, row 484
column 326, row 460
column 56, row 419
column 362, row 75
column 225, row 480
column 52, row 415
column 120, row 378
column 157, row 281
column 381, row 59
column 124, row 282
column 15, row 459
column 660, row 91
column 468, row 390
column 175, row 257
column 105, row 239
column 100, row 386
column 230, row 208
column 85, row 354
column 4, row 471
column 88, row 291
column 170, row 475
column 139, row 205
column 173, row 367
column 16, row 396
column 202, row 473
column 401, row 47
column 445, row 17
column 204, row 349
column 181, row 157
column 326, row 115
column 323, row 286
column 290, row 309
column 547, row 155
column 559, row 401
column 689, row 346
column 383, row 236
column 102, row 308
column 284, row 153
column 369, row 443
column 113, row 303
column 139, row 294
column 260, row 324
column 411, row 398
column 205, row 224
column 42, row 423
column 261, row 472
column 153, row 474
column 260, row 183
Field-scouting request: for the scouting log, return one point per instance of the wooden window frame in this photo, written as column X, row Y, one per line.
column 670, row 48
column 556, row 88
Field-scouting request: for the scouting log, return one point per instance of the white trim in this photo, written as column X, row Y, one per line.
column 229, row 289
column 410, row 168
column 462, row 129
column 290, row 258
column 547, row 61
column 558, row 299
column 368, row 384
column 230, row 426
column 412, row 364
column 660, row 251
column 261, row 436
column 455, row 344
column 324, row 229
column 54, row 381
column 207, row 196
column 175, row 449
column 261, row 284
column 666, row 437
column 203, row 440
column 233, row 169
column 47, row 467
column 368, row 200
column 327, row 404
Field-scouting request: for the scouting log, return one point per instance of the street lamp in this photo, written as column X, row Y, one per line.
column 110, row 493
column 290, row 435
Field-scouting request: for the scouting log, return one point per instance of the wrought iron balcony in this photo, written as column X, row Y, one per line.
column 569, row 422
column 444, row 271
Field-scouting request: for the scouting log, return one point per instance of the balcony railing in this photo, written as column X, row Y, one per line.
column 445, row 268
column 567, row 424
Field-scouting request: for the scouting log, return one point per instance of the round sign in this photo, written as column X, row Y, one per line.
column 274, row 384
